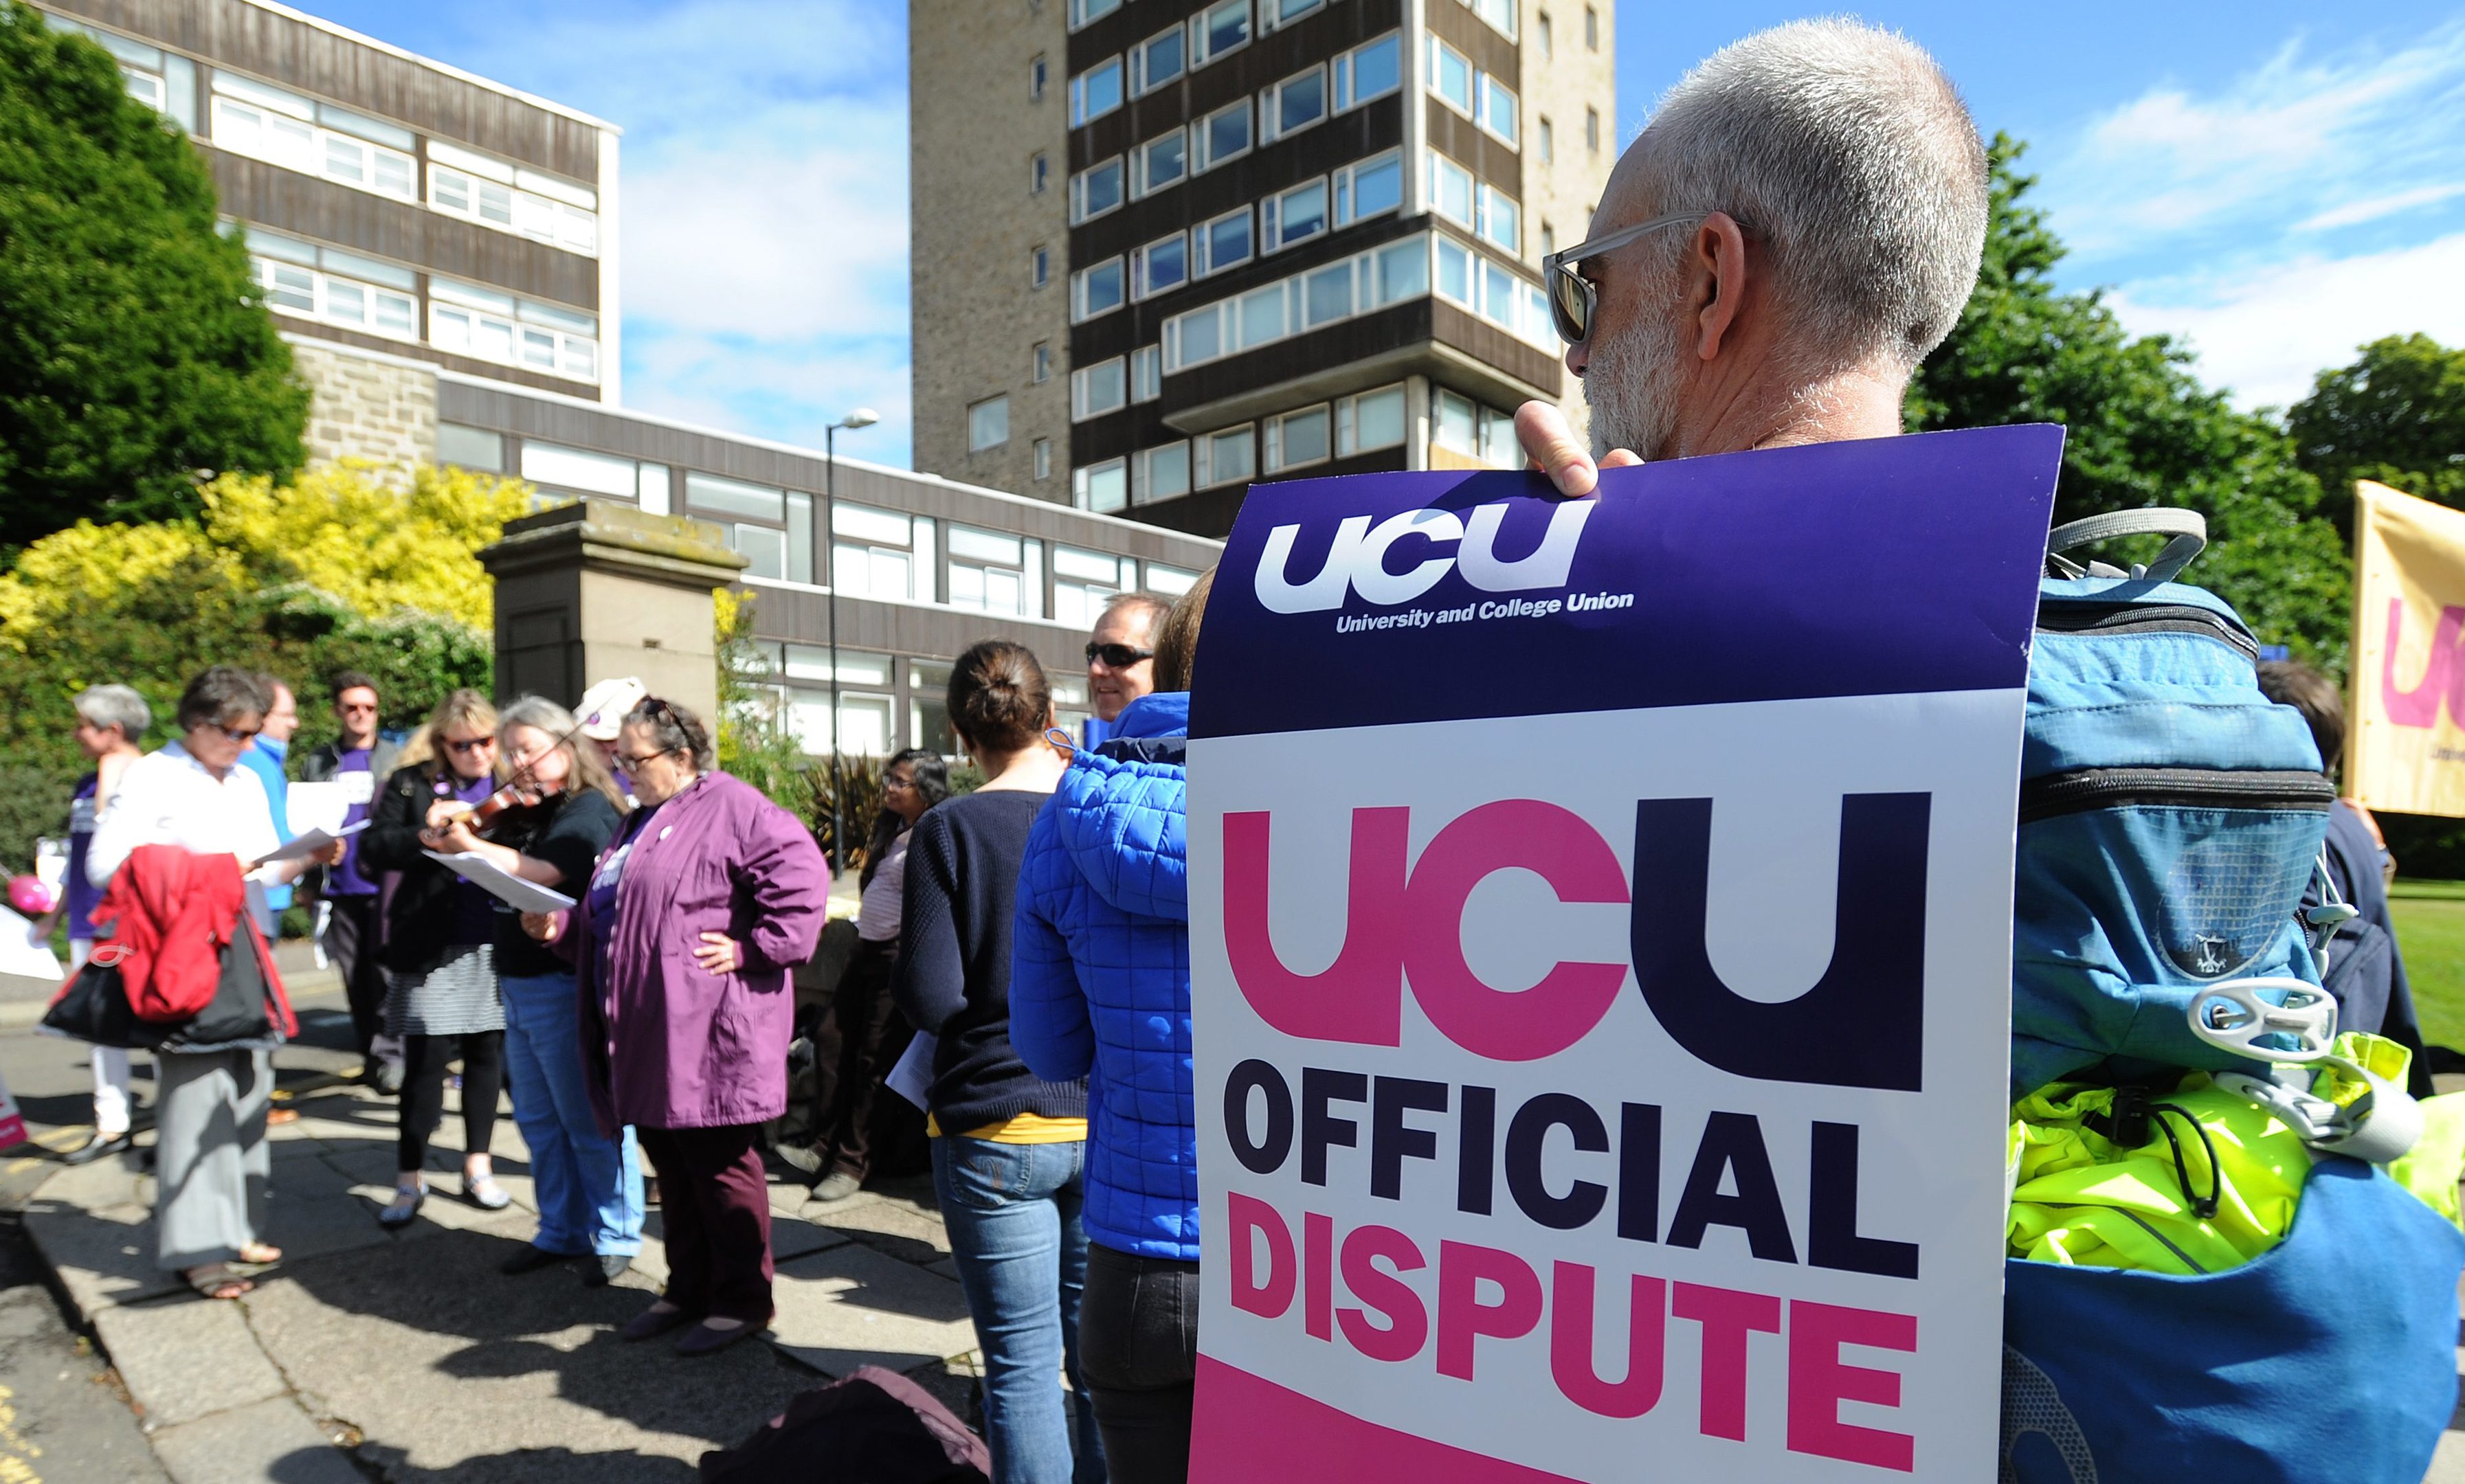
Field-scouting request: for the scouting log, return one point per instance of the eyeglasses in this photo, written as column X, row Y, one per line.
column 1119, row 656
column 894, row 784
column 469, row 743
column 354, row 707
column 1572, row 299
column 238, row 734
column 630, row 760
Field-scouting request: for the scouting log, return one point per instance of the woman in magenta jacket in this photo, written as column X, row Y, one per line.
column 706, row 899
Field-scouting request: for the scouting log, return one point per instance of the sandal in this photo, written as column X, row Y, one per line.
column 217, row 1280
column 261, row 1254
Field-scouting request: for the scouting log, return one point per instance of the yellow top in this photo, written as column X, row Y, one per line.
column 1024, row 1128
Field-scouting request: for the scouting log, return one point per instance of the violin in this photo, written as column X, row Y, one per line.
column 515, row 793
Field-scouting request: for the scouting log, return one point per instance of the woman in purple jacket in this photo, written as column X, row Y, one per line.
column 703, row 902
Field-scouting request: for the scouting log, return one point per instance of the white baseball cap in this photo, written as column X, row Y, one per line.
column 603, row 707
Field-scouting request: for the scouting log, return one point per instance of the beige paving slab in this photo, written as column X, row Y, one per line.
column 103, row 1257
column 118, row 1181
column 187, row 1357
column 902, row 1228
column 853, row 1305
column 268, row 1441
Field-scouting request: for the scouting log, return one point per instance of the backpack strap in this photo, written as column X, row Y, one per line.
column 2189, row 528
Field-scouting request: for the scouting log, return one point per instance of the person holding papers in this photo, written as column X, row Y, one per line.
column 681, row 945
column 439, row 953
column 589, row 1186
column 355, row 763
column 110, row 730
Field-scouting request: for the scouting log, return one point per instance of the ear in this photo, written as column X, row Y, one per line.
column 1717, row 260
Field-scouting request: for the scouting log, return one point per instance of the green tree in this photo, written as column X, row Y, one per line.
column 134, row 347
column 2143, row 431
column 2396, row 415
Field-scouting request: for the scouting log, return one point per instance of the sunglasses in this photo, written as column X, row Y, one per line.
column 239, row 735
column 1120, row 656
column 1572, row 299
column 355, row 707
column 471, row 745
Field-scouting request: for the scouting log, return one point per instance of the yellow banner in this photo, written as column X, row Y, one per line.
column 2405, row 746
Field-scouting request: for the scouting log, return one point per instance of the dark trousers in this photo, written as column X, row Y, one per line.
column 350, row 942
column 423, row 1090
column 715, row 1216
column 857, row 1118
column 1138, row 1349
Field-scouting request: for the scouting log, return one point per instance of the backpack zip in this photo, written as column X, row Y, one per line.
column 2103, row 619
column 2173, row 787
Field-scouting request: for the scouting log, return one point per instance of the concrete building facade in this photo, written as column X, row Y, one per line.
column 1169, row 247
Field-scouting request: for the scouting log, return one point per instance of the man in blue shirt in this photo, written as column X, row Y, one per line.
column 266, row 756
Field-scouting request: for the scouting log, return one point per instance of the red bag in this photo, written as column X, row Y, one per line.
column 171, row 913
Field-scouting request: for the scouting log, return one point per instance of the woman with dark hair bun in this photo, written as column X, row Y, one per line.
column 1008, row 1148
column 872, row 1035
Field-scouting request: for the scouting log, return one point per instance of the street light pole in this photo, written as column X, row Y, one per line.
column 861, row 417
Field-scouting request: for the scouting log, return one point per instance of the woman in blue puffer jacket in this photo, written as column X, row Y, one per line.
column 1100, row 989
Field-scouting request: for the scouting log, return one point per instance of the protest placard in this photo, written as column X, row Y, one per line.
column 1601, row 922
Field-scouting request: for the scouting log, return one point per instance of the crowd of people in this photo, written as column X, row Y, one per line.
column 1028, row 940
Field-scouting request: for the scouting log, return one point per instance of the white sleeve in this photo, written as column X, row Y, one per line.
column 252, row 832
column 134, row 816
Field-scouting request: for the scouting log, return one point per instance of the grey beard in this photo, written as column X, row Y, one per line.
column 1632, row 384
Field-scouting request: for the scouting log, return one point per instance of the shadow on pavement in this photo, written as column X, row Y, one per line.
column 542, row 1465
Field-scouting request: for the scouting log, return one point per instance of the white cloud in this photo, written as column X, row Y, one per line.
column 2264, row 332
column 785, row 389
column 2355, row 214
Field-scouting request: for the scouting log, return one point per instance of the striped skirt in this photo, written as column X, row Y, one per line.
column 458, row 997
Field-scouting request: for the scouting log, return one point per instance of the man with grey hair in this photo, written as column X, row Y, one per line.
column 111, row 722
column 1800, row 224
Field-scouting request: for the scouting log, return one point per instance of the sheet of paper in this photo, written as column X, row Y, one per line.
column 317, row 806
column 315, row 840
column 913, row 1076
column 21, row 952
column 512, row 890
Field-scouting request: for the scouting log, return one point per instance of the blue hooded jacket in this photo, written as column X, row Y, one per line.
column 1100, row 975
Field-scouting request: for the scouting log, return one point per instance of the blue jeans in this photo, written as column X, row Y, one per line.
column 589, row 1185
column 1012, row 1214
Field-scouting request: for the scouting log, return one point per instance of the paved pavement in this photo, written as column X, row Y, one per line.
column 368, row 1355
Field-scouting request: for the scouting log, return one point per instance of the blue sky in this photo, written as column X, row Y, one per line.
column 2278, row 181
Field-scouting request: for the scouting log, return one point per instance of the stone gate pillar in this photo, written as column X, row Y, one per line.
column 594, row 589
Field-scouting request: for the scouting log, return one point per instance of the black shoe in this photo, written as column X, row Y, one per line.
column 95, row 1148
column 605, row 1269
column 531, row 1259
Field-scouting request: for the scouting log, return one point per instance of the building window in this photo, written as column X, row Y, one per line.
column 988, row 424
column 1451, row 190
column 1500, row 219
column 1036, row 72
column 1385, row 274
column 1371, row 70
column 335, row 287
column 1548, row 153
column 1283, row 13
column 1040, row 362
column 1083, row 581
column 1162, row 473
column 1096, row 191
column 1293, row 104
column 1039, row 170
column 1147, row 374
column 1218, row 30
column 1370, row 188
column 1039, row 267
column 1160, row 266
column 1223, row 243
column 164, row 81
column 1096, row 290
column 284, row 128
column 491, row 325
column 1171, row 582
column 1592, row 130
column 1591, row 29
column 1158, row 60
column 1223, row 135
column 1490, row 290
column 1106, row 488
column 1097, row 389
column 1498, row 109
column 1223, row 457
column 1293, row 216
column 995, row 573
column 1450, row 76
column 472, row 448
column 1082, row 11
column 1499, row 13
column 571, row 469
column 1370, row 420
column 775, row 532
column 512, row 199
column 1043, row 457
column 880, row 554
column 1462, row 426
column 1548, row 42
column 1159, row 163
column 1548, row 239
column 1096, row 92
column 1296, row 439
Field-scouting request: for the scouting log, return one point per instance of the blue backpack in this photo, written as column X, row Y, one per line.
column 2170, row 819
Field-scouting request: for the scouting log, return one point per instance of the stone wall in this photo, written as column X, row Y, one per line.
column 364, row 405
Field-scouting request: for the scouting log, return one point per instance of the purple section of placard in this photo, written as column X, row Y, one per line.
column 1883, row 566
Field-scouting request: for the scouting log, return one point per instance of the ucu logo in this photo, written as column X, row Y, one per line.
column 2443, row 676
column 1860, row 1026
column 1358, row 559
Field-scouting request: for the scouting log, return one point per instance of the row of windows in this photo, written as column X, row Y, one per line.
column 344, row 289
column 1359, row 424
column 1476, row 206
column 1173, row 53
column 1370, row 71
column 1477, row 94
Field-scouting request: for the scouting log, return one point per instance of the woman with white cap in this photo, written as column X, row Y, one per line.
column 601, row 715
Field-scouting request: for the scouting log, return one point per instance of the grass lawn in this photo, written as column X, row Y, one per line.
column 2431, row 930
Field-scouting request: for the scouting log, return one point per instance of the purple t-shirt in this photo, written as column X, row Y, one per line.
column 475, row 911
column 83, row 896
column 600, row 901
column 358, row 786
